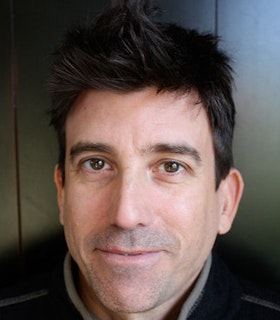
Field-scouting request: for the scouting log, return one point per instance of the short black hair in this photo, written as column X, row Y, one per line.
column 127, row 48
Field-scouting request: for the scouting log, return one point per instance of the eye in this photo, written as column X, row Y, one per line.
column 171, row 171
column 172, row 166
column 96, row 164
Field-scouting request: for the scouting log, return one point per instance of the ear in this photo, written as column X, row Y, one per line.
column 58, row 179
column 231, row 189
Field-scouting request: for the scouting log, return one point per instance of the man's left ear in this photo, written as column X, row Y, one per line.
column 230, row 189
column 58, row 179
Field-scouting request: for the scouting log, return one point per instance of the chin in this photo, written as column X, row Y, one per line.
column 127, row 297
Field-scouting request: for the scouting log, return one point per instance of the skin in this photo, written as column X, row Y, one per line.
column 139, row 205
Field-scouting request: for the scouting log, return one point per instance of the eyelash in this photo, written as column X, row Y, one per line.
column 179, row 167
column 161, row 167
column 88, row 167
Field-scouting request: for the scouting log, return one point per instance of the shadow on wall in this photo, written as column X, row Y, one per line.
column 248, row 264
column 39, row 258
column 44, row 255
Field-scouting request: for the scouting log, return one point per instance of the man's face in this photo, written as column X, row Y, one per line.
column 139, row 205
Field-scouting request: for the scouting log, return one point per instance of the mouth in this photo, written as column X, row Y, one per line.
column 126, row 253
column 116, row 256
column 130, row 254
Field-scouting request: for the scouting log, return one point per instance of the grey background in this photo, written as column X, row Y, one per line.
column 30, row 236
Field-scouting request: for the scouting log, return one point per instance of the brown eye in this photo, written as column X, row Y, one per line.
column 171, row 166
column 96, row 164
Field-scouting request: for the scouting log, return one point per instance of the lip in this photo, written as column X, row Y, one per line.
column 117, row 256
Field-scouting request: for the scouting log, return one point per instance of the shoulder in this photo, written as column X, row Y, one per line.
column 41, row 297
column 24, row 298
column 258, row 302
column 233, row 297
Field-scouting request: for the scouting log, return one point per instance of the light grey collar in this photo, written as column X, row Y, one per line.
column 71, row 289
column 197, row 291
column 187, row 308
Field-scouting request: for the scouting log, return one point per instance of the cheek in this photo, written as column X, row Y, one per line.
column 82, row 213
column 193, row 218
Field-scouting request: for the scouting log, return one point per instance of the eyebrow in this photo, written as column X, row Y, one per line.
column 182, row 149
column 81, row 147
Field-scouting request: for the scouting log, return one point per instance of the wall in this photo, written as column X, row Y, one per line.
column 250, row 34
column 251, row 30
column 29, row 31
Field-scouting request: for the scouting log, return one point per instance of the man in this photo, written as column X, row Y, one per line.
column 145, row 180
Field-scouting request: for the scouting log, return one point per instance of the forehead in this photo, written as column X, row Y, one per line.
column 140, row 117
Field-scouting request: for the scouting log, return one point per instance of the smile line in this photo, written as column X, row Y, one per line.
column 127, row 253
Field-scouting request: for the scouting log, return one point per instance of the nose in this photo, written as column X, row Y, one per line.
column 131, row 206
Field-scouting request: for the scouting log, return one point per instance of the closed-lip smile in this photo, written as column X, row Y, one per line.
column 127, row 256
column 127, row 252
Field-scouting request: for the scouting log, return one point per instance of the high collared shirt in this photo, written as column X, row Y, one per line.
column 218, row 296
column 187, row 308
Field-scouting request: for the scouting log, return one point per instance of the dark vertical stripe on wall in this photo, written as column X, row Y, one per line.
column 216, row 26
column 14, row 87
